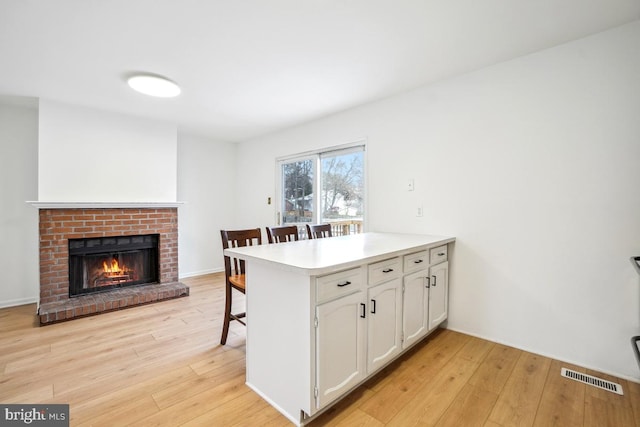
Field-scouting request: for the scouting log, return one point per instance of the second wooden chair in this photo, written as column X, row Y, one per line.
column 282, row 234
column 319, row 231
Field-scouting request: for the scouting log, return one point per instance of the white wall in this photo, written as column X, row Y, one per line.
column 18, row 183
column 89, row 155
column 205, row 184
column 533, row 165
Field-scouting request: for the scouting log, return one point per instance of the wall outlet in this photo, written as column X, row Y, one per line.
column 419, row 211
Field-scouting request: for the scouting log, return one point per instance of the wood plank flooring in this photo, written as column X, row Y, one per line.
column 161, row 364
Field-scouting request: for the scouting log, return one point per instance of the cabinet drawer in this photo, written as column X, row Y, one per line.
column 438, row 254
column 416, row 261
column 384, row 270
column 337, row 284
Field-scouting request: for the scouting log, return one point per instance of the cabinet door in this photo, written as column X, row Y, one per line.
column 438, row 294
column 384, row 323
column 416, row 303
column 340, row 346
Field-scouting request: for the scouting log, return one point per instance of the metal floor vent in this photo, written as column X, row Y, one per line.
column 594, row 381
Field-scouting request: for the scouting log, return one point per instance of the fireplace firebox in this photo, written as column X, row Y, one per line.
column 104, row 263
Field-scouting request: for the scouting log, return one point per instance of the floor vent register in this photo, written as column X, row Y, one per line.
column 590, row 380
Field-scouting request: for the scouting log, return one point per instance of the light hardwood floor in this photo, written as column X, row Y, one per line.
column 161, row 364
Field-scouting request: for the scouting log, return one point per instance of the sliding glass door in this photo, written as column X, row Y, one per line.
column 324, row 187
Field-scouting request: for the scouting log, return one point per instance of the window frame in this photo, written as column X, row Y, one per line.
column 316, row 156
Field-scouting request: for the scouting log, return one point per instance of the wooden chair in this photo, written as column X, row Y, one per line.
column 234, row 272
column 319, row 231
column 282, row 234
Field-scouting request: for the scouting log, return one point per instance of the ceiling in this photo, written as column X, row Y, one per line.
column 252, row 67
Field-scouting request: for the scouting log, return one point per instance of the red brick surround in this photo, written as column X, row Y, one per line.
column 59, row 225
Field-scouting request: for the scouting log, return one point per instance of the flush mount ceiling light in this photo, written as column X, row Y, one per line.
column 154, row 85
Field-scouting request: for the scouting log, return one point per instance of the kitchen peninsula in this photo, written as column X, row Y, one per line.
column 324, row 315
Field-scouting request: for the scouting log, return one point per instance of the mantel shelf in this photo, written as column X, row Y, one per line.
column 103, row 205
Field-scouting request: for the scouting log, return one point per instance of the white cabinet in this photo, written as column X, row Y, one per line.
column 425, row 296
column 415, row 297
column 361, row 328
column 340, row 346
column 415, row 307
column 438, row 294
column 355, row 335
column 384, row 326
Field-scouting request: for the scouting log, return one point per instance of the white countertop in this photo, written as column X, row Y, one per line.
column 321, row 256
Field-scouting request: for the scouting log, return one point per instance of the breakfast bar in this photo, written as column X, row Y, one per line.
column 324, row 315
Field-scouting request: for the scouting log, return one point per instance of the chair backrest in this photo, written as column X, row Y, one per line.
column 319, row 231
column 236, row 239
column 282, row 234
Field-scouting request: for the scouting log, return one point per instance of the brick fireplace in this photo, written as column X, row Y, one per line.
column 59, row 225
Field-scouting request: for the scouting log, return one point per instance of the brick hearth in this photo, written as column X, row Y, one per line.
column 59, row 225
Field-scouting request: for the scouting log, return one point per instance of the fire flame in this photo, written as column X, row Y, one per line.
column 114, row 268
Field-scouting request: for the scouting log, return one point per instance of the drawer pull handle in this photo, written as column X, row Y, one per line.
column 434, row 281
column 428, row 282
column 418, row 261
column 364, row 312
column 344, row 284
column 388, row 270
column 373, row 306
column 441, row 254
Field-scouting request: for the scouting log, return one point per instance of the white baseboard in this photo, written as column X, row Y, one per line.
column 17, row 302
column 200, row 273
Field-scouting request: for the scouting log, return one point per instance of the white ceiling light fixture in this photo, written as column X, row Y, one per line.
column 154, row 85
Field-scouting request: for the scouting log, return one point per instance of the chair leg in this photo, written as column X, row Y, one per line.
column 227, row 315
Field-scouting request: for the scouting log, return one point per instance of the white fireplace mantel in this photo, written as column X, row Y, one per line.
column 103, row 205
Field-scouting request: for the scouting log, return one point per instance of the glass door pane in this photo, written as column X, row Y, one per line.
column 298, row 192
column 342, row 190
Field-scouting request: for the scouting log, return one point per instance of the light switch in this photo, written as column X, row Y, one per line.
column 410, row 186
